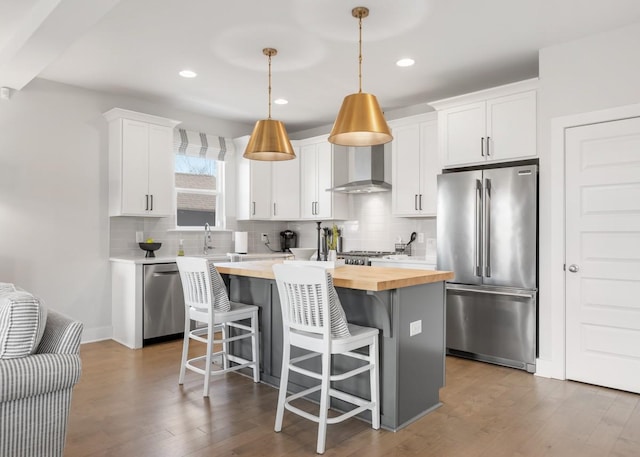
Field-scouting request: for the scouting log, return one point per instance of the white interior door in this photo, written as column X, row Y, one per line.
column 603, row 254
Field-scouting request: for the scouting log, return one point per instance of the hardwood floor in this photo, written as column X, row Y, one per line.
column 128, row 403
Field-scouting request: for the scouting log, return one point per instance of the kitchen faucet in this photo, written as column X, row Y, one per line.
column 207, row 239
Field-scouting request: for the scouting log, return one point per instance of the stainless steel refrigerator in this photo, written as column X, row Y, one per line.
column 487, row 232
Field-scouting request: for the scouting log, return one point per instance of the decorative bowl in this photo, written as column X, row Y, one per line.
column 150, row 247
column 302, row 253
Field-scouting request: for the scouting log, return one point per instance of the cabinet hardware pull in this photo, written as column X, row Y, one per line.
column 488, row 152
column 420, row 200
column 151, row 208
column 482, row 146
column 146, row 207
column 415, row 202
column 274, row 209
column 253, row 210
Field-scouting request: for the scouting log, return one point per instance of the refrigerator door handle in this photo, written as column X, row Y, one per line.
column 478, row 231
column 491, row 292
column 487, row 231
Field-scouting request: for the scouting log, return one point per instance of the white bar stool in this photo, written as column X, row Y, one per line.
column 313, row 320
column 206, row 300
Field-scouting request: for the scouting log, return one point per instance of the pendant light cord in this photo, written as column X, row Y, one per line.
column 269, row 86
column 360, row 55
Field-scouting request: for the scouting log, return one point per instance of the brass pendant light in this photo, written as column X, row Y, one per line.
column 269, row 140
column 360, row 121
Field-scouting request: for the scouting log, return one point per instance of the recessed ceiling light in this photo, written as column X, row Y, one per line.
column 405, row 62
column 188, row 74
column 280, row 101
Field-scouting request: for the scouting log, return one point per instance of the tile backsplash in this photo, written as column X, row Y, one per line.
column 371, row 227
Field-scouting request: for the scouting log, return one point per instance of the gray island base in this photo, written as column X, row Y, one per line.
column 411, row 366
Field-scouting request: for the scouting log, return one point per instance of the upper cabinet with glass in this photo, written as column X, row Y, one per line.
column 494, row 125
column 141, row 164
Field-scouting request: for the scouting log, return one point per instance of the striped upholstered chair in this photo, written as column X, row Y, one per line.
column 35, row 389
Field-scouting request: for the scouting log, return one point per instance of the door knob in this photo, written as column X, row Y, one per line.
column 573, row 268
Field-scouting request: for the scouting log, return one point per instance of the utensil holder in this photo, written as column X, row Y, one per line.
column 403, row 248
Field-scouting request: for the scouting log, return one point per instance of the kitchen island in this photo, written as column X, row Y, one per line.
column 407, row 306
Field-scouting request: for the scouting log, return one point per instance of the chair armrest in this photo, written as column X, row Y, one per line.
column 61, row 335
column 37, row 374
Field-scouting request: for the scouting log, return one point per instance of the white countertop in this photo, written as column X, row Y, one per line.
column 140, row 259
column 430, row 259
column 424, row 261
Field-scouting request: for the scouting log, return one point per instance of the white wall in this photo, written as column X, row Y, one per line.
column 54, row 228
column 593, row 73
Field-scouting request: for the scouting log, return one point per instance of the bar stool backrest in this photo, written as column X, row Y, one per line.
column 304, row 293
column 196, row 282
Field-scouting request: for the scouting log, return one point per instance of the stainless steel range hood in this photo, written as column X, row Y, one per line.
column 366, row 170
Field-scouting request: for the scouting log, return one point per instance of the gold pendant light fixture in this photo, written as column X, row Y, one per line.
column 360, row 121
column 269, row 140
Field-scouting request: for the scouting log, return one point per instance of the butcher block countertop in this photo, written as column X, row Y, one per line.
column 348, row 276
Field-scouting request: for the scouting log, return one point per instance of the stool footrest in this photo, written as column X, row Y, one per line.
column 361, row 405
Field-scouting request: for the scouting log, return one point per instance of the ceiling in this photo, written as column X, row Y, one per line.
column 137, row 48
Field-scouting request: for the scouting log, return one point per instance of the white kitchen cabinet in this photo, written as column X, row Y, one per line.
column 415, row 165
column 496, row 124
column 141, row 171
column 320, row 168
column 285, row 189
column 254, row 185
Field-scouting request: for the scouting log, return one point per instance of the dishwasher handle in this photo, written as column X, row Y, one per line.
column 165, row 273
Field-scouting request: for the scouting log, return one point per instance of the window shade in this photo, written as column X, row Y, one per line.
column 200, row 144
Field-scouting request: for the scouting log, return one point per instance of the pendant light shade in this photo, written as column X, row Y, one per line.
column 360, row 121
column 269, row 140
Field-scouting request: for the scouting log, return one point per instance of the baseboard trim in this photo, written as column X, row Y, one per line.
column 91, row 335
column 547, row 369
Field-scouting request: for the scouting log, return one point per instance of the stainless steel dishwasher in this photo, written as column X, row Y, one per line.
column 163, row 303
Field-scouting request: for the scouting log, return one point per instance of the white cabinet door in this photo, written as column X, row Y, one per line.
column 318, row 168
column 430, row 167
column 308, row 181
column 141, row 170
column 161, row 170
column 497, row 124
column 324, row 173
column 134, row 179
column 253, row 180
column 286, row 189
column 463, row 131
column 406, row 170
column 511, row 126
column 260, row 189
column 416, row 166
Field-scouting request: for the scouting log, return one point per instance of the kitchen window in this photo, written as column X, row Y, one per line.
column 200, row 179
column 199, row 196
column 199, row 184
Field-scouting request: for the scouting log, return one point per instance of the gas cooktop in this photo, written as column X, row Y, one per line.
column 361, row 257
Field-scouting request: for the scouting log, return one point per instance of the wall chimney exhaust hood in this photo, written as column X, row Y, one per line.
column 366, row 169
